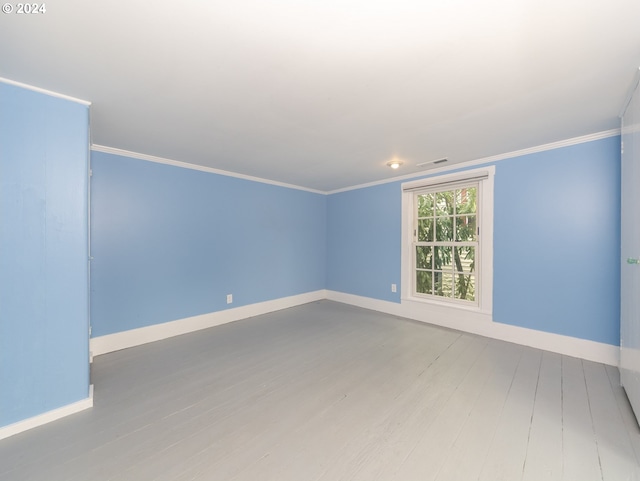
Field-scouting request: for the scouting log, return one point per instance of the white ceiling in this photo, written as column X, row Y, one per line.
column 321, row 93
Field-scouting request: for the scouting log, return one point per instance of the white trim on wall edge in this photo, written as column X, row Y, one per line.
column 632, row 89
column 415, row 175
column 482, row 325
column 467, row 321
column 47, row 417
column 486, row 160
column 143, row 335
column 201, row 168
column 44, row 91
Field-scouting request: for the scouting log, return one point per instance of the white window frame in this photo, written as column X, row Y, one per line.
column 484, row 257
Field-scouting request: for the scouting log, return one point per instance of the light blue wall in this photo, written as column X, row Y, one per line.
column 556, row 241
column 557, row 222
column 364, row 241
column 170, row 243
column 44, row 341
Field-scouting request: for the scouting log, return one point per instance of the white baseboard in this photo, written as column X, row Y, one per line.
column 483, row 325
column 467, row 321
column 47, row 417
column 143, row 335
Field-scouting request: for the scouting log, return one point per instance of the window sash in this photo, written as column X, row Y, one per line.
column 451, row 270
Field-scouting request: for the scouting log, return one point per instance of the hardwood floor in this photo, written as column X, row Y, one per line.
column 327, row 392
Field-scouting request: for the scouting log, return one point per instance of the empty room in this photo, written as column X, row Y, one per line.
column 320, row 241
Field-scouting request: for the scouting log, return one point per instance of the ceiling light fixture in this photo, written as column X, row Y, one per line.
column 395, row 163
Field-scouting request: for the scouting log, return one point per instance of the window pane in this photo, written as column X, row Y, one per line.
column 446, row 243
column 444, row 203
column 423, row 282
column 466, row 200
column 466, row 228
column 443, row 284
column 444, row 229
column 466, row 287
column 425, row 205
column 425, row 230
column 464, row 258
column 442, row 258
column 424, row 258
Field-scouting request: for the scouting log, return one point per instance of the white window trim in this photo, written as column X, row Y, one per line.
column 485, row 216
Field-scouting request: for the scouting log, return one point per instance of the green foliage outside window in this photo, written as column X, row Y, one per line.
column 446, row 243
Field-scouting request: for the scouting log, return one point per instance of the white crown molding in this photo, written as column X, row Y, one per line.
column 485, row 160
column 49, row 416
column 483, row 325
column 462, row 165
column 186, row 165
column 143, row 335
column 44, row 91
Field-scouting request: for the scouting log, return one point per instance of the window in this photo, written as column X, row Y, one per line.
column 447, row 241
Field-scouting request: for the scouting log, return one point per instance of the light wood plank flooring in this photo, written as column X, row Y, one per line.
column 327, row 392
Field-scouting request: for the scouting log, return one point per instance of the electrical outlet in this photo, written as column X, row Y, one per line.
column 394, row 288
column 229, row 298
